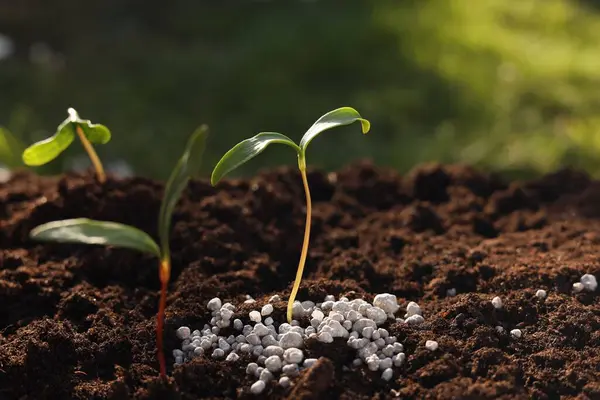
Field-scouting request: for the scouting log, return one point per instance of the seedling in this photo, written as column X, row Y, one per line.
column 43, row 152
column 250, row 148
column 11, row 149
column 88, row 231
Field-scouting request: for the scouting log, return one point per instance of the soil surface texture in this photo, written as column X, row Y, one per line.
column 77, row 322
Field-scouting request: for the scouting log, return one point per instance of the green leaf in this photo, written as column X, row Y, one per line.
column 10, row 149
column 246, row 150
column 95, row 133
column 47, row 150
column 186, row 167
column 341, row 116
column 89, row 231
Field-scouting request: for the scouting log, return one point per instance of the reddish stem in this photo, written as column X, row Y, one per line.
column 160, row 318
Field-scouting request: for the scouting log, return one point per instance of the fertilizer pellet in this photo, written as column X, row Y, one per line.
column 258, row 387
column 261, row 330
column 266, row 310
column 516, row 333
column 497, row 303
column 309, row 362
column 255, row 316
column 291, row 339
column 399, row 359
column 284, row 382
column 214, row 304
column 266, row 375
column 412, row 309
column 385, row 363
column 541, row 294
column 414, row 320
column 218, row 353
column 273, row 364
column 431, row 345
column 387, row 374
column 251, row 368
column 589, row 282
column 183, row 332
column 290, row 370
column 293, row 355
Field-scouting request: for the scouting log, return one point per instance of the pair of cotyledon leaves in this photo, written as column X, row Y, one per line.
column 249, row 148
column 47, row 150
column 87, row 231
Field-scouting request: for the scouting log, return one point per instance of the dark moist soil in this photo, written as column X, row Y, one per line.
column 78, row 322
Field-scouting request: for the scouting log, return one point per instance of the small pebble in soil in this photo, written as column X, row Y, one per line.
column 589, row 282
column 431, row 345
column 541, row 294
column 497, row 303
column 578, row 287
column 516, row 333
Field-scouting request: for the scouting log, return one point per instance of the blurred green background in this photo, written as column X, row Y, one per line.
column 506, row 85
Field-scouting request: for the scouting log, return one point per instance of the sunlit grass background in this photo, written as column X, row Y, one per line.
column 506, row 85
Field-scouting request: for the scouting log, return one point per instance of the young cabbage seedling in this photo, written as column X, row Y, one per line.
column 250, row 148
column 87, row 231
column 43, row 152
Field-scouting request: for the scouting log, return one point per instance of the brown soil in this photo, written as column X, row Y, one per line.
column 78, row 322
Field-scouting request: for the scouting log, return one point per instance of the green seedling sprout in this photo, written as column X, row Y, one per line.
column 87, row 231
column 11, row 149
column 250, row 148
column 43, row 152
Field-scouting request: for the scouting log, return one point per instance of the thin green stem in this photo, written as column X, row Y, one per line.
column 303, row 254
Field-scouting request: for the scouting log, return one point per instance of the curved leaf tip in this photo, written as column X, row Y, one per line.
column 187, row 166
column 365, row 125
column 338, row 117
column 246, row 150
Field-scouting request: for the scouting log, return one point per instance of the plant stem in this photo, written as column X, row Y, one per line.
column 92, row 154
column 304, row 252
column 164, row 272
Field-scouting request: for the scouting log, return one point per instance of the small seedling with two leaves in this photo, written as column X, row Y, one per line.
column 87, row 231
column 44, row 151
column 249, row 148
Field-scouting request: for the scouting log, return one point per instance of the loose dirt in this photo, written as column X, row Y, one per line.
column 78, row 322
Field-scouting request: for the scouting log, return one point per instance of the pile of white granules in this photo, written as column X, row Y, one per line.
column 278, row 350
